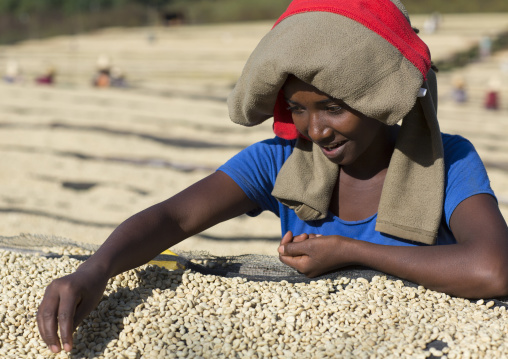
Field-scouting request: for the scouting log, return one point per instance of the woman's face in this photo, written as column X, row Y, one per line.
column 342, row 135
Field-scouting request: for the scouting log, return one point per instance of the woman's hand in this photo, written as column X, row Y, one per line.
column 67, row 301
column 313, row 254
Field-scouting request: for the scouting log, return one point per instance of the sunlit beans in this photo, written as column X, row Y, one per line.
column 154, row 313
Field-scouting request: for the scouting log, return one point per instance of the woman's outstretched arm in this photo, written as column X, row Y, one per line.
column 475, row 267
column 68, row 300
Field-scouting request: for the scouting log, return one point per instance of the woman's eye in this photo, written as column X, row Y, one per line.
column 295, row 109
column 334, row 109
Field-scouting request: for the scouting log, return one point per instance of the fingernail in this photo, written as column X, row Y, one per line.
column 67, row 347
column 281, row 249
column 54, row 348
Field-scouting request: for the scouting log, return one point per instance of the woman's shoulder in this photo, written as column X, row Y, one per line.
column 273, row 147
column 457, row 147
column 277, row 142
column 450, row 140
column 465, row 173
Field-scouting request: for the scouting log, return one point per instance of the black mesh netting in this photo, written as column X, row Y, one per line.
column 40, row 244
column 258, row 267
column 253, row 267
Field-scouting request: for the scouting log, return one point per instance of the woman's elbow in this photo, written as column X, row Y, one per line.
column 499, row 282
column 492, row 280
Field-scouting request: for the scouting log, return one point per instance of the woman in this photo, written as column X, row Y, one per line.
column 349, row 184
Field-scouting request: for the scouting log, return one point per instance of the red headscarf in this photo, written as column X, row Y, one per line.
column 382, row 17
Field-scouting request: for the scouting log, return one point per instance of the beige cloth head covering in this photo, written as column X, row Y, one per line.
column 365, row 53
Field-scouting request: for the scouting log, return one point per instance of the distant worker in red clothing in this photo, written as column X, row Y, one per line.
column 48, row 78
column 492, row 96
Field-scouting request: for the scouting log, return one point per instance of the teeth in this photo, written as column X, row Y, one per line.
column 334, row 146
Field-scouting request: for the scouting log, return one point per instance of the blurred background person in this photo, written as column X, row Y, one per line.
column 492, row 95
column 48, row 77
column 117, row 77
column 459, row 94
column 12, row 72
column 485, row 47
column 102, row 78
column 431, row 25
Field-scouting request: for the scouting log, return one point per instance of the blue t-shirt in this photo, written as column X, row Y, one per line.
column 255, row 169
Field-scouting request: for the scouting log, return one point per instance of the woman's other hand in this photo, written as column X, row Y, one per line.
column 313, row 254
column 67, row 301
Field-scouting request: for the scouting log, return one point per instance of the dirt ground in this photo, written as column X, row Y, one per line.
column 76, row 160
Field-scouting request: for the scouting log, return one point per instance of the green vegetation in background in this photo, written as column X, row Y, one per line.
column 472, row 54
column 68, row 7
column 206, row 11
column 28, row 19
column 214, row 11
column 231, row 10
column 455, row 6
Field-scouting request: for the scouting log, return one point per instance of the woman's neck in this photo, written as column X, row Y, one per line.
column 375, row 160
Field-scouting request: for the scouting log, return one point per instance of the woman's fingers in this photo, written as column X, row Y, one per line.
column 289, row 244
column 67, row 301
column 294, row 249
column 286, row 240
column 288, row 237
column 58, row 309
column 66, row 313
column 301, row 237
column 47, row 320
column 312, row 235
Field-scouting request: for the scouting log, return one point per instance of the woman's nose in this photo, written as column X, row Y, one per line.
column 318, row 129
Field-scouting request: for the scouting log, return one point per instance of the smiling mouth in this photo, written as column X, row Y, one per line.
column 334, row 146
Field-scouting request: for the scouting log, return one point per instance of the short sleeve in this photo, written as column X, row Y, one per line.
column 466, row 175
column 255, row 169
